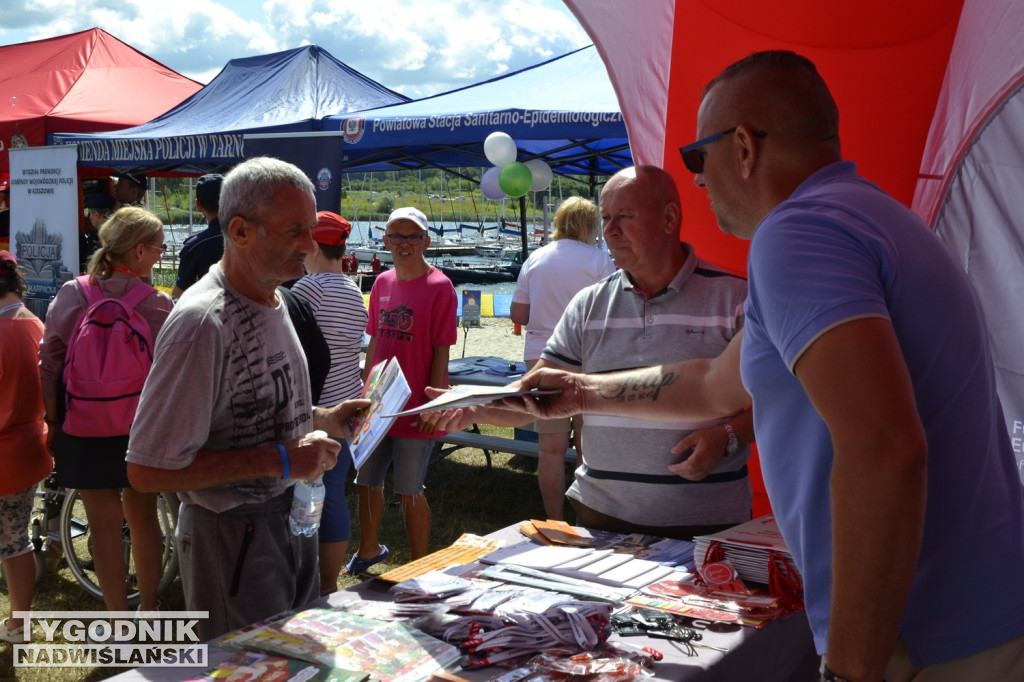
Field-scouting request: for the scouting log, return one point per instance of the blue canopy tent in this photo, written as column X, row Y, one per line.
column 269, row 104
column 563, row 111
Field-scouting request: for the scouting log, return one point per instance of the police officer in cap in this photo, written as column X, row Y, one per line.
column 202, row 250
column 130, row 189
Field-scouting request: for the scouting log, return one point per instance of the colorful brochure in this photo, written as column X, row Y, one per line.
column 254, row 666
column 388, row 392
column 394, row 652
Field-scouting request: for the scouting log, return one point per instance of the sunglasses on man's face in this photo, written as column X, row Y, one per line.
column 693, row 154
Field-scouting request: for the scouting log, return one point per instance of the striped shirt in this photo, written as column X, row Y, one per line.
column 341, row 314
column 610, row 326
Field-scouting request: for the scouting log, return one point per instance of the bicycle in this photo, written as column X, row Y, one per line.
column 76, row 540
column 66, row 509
column 45, row 526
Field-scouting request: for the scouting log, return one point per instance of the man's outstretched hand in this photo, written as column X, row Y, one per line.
column 445, row 420
column 519, row 410
column 571, row 399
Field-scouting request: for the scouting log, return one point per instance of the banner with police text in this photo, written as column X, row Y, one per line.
column 44, row 219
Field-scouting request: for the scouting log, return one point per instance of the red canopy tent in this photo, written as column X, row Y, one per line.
column 82, row 82
column 928, row 94
column 883, row 60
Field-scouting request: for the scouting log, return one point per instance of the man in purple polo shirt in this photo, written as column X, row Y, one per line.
column 866, row 358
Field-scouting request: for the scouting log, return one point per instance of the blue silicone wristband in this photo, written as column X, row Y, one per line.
column 286, row 466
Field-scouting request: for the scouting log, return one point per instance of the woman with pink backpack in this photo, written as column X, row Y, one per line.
column 94, row 357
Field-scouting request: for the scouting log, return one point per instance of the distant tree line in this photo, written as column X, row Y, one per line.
column 373, row 195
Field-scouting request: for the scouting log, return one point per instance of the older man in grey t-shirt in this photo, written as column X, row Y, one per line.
column 226, row 415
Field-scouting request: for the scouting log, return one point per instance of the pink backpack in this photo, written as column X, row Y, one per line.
column 108, row 359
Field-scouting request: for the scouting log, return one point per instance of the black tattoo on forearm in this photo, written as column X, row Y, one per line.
column 645, row 387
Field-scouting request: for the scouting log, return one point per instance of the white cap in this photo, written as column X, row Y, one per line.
column 413, row 215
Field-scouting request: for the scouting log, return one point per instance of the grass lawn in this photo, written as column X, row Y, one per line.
column 464, row 496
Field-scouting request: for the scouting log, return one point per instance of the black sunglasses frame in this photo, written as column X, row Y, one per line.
column 693, row 156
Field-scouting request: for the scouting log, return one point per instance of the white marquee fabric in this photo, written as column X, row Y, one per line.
column 971, row 188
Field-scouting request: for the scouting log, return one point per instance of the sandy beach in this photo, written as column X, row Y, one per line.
column 493, row 337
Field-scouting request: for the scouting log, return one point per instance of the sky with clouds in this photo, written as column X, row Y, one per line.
column 417, row 47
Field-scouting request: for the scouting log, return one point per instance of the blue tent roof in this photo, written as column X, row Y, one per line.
column 283, row 92
column 564, row 111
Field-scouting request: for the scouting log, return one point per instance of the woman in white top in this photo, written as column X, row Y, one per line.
column 549, row 279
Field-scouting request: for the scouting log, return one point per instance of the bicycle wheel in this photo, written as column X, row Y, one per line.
column 74, row 531
column 45, row 529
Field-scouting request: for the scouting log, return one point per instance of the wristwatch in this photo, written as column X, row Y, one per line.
column 733, row 445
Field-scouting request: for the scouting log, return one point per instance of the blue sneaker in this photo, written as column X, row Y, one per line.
column 357, row 565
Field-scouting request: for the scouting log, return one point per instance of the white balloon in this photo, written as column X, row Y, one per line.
column 541, row 174
column 490, row 186
column 500, row 148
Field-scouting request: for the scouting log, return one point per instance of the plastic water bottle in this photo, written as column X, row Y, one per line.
column 307, row 503
column 307, row 507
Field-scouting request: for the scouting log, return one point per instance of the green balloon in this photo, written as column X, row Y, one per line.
column 515, row 179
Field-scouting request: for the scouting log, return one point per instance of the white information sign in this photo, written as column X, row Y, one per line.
column 44, row 219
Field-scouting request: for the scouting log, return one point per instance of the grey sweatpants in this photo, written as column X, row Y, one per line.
column 244, row 564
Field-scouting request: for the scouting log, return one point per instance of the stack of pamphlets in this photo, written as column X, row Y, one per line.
column 253, row 666
column 577, row 567
column 388, row 391
column 667, row 551
column 747, row 548
column 430, row 587
column 549, row 532
column 466, row 549
column 393, row 651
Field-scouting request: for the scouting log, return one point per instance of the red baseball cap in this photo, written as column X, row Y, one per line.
column 331, row 229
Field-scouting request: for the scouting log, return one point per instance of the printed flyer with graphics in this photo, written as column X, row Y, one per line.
column 394, row 652
column 388, row 392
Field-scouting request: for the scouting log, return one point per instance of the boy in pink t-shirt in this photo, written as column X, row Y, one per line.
column 412, row 318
